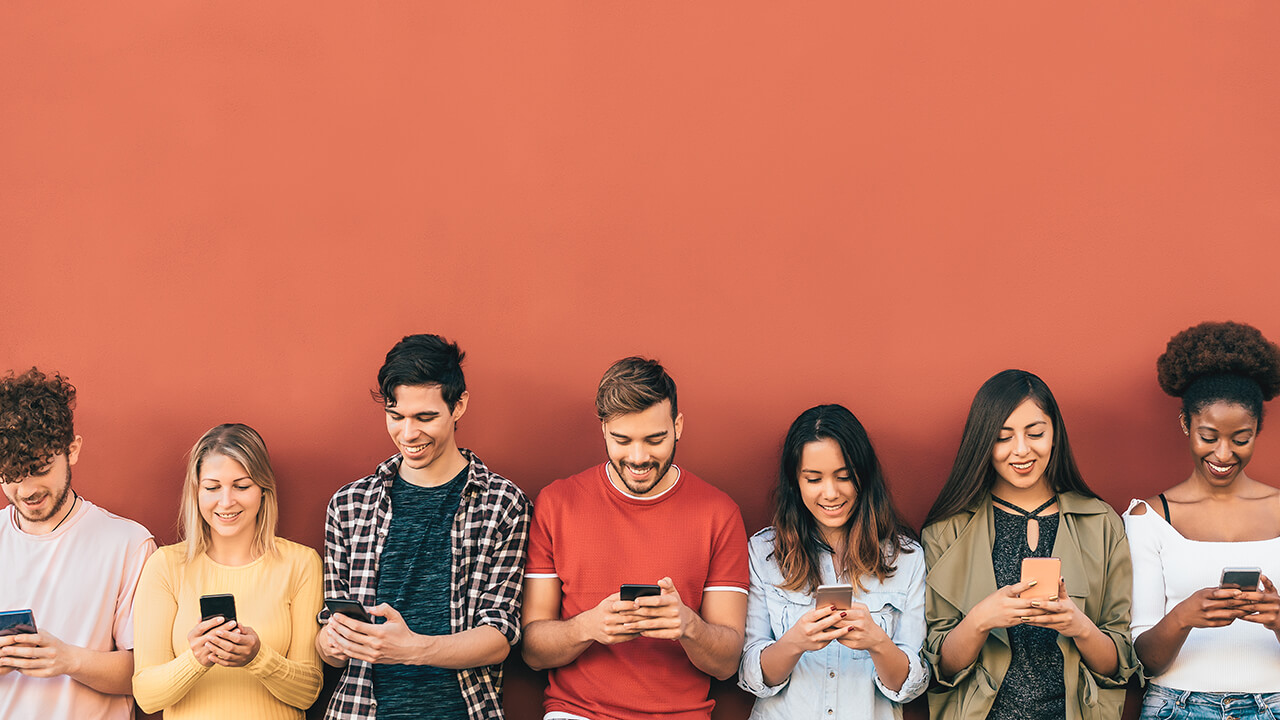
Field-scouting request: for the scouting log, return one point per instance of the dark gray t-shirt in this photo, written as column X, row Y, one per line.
column 415, row 576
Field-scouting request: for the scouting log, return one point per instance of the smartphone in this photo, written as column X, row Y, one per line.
column 631, row 592
column 350, row 608
column 1242, row 578
column 17, row 622
column 1046, row 572
column 839, row 595
column 223, row 606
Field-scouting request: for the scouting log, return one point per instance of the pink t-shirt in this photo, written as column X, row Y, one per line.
column 78, row 582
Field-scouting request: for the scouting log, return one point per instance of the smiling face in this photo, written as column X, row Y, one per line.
column 229, row 498
column 1222, row 437
column 421, row 424
column 42, row 496
column 827, row 487
column 642, row 448
column 1022, row 449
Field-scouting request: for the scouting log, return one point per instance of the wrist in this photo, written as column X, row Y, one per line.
column 424, row 649
column 691, row 625
column 75, row 659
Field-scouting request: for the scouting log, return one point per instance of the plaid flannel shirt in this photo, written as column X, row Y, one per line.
column 490, row 533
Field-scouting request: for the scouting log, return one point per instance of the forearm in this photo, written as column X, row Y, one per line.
column 293, row 682
column 713, row 649
column 476, row 647
column 1098, row 651
column 553, row 643
column 1158, row 647
column 109, row 672
column 159, row 686
column 891, row 663
column 777, row 661
column 961, row 647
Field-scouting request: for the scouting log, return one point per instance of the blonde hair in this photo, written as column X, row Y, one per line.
column 243, row 444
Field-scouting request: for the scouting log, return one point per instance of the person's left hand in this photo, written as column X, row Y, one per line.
column 1061, row 614
column 391, row 643
column 1264, row 605
column 39, row 654
column 666, row 616
column 862, row 632
column 234, row 646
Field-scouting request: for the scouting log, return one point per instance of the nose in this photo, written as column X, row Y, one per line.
column 1021, row 446
column 408, row 430
column 829, row 489
column 1222, row 451
column 637, row 455
column 224, row 497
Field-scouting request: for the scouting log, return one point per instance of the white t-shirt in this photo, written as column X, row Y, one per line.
column 1167, row 568
column 78, row 582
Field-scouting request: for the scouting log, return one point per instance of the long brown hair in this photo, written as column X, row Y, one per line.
column 875, row 533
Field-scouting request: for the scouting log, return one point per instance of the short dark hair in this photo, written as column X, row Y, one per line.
column 1220, row 361
column 35, row 422
column 632, row 385
column 973, row 474
column 422, row 360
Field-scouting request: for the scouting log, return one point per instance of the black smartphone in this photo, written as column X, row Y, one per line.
column 17, row 622
column 223, row 606
column 350, row 608
column 631, row 592
column 1243, row 578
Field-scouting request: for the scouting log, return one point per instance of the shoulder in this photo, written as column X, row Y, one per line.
column 571, row 487
column 165, row 560
column 946, row 530
column 129, row 531
column 705, row 493
column 762, row 543
column 298, row 558
column 499, row 490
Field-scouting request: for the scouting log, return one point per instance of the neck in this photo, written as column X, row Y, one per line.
column 1025, row 498
column 233, row 551
column 1214, row 491
column 444, row 469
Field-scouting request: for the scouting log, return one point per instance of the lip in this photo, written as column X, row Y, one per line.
column 409, row 451
column 631, row 470
column 227, row 520
column 36, row 503
column 1030, row 465
column 831, row 510
column 1212, row 467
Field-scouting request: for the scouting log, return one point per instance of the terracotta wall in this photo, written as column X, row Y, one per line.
column 230, row 211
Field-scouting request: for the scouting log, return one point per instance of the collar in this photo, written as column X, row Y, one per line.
column 477, row 473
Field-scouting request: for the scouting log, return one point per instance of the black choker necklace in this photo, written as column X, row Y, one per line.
column 74, row 498
column 1030, row 515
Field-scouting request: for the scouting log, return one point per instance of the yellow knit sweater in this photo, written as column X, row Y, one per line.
column 278, row 597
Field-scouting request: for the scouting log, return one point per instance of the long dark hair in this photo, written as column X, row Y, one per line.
column 972, row 475
column 875, row 531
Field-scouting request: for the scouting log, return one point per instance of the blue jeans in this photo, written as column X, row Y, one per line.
column 1162, row 703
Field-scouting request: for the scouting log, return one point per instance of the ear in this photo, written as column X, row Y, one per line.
column 73, row 450
column 1182, row 420
column 679, row 423
column 460, row 407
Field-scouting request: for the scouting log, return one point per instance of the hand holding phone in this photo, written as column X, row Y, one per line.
column 1240, row 578
column 631, row 592
column 1046, row 571
column 350, row 608
column 223, row 606
column 841, row 596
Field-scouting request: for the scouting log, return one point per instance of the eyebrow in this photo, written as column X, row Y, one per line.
column 208, row 479
column 654, row 436
column 839, row 469
column 1233, row 432
column 1028, row 427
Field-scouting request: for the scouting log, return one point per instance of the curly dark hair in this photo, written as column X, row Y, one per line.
column 35, row 422
column 1220, row 361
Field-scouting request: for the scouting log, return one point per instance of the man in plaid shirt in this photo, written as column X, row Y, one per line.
column 433, row 544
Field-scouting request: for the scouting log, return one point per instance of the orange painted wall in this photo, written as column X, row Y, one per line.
column 229, row 211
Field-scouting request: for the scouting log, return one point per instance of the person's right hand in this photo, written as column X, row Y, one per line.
column 1210, row 607
column 199, row 638
column 606, row 622
column 1003, row 608
column 815, row 629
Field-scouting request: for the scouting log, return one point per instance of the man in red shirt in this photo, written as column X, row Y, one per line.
column 636, row 519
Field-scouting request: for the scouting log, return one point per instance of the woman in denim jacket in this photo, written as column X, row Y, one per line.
column 834, row 523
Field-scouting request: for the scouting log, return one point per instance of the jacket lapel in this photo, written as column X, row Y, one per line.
column 964, row 575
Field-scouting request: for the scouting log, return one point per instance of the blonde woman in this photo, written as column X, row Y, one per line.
column 263, row 664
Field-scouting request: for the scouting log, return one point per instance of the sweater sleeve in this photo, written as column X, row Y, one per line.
column 160, row 678
column 294, row 678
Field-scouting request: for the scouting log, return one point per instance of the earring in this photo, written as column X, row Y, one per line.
column 1182, row 421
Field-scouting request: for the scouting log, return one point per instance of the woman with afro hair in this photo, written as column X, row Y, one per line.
column 1211, row 648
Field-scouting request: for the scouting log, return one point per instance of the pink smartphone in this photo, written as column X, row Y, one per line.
column 839, row 595
column 1045, row 571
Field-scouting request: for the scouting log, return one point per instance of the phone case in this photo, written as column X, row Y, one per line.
column 1045, row 571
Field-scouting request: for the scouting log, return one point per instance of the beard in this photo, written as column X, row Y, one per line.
column 59, row 503
column 642, row 487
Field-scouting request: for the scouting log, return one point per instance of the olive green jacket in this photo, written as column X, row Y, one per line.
column 1099, row 578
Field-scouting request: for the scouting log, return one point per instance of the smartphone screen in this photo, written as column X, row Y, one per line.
column 1241, row 578
column 223, row 606
column 350, row 608
column 17, row 622
column 839, row 595
column 631, row 592
column 1045, row 571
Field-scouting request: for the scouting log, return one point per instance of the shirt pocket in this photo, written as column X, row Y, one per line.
column 786, row 607
column 885, row 608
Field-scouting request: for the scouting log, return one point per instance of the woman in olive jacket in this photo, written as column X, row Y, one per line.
column 997, row 655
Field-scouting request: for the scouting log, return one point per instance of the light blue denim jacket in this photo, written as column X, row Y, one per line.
column 835, row 682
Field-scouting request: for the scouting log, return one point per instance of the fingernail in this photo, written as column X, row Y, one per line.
column 1035, row 603
column 844, row 614
column 1033, row 582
